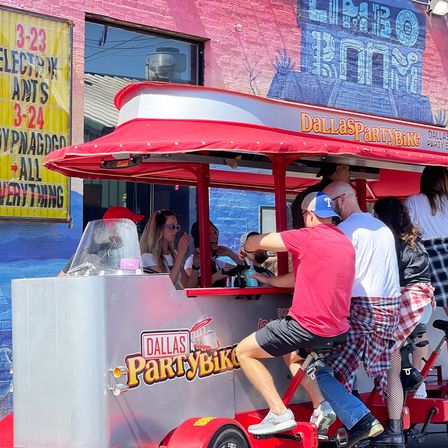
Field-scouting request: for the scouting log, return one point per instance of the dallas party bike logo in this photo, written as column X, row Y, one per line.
column 190, row 353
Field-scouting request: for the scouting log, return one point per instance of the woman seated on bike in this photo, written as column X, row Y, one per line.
column 157, row 247
column 416, row 294
column 219, row 267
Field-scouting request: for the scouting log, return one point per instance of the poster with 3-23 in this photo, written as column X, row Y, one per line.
column 35, row 93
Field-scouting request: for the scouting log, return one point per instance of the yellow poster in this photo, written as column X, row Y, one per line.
column 35, row 75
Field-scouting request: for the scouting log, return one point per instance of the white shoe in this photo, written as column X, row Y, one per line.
column 274, row 423
column 323, row 417
column 421, row 391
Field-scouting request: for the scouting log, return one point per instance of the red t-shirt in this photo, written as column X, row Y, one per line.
column 324, row 269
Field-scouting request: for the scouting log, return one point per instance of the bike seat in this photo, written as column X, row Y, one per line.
column 418, row 331
column 320, row 348
column 323, row 350
column 441, row 325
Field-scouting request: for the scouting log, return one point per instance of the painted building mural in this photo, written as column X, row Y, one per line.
column 365, row 56
column 385, row 57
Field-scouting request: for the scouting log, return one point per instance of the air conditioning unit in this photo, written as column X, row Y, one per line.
column 166, row 64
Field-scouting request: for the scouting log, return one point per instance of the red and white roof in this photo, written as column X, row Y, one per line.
column 157, row 118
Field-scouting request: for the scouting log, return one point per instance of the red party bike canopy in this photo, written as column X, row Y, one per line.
column 160, row 123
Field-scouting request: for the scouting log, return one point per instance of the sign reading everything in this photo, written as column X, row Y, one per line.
column 35, row 66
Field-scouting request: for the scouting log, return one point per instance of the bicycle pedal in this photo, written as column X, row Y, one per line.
column 415, row 435
column 340, row 439
column 295, row 437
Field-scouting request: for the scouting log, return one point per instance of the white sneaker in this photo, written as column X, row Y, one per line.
column 274, row 423
column 421, row 391
column 323, row 417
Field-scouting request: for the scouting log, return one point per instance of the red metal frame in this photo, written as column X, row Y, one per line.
column 293, row 385
column 307, row 431
column 279, row 174
column 204, row 224
column 361, row 193
column 202, row 292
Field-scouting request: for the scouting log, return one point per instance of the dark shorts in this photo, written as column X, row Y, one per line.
column 283, row 336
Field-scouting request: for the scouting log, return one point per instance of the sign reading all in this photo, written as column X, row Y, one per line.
column 35, row 67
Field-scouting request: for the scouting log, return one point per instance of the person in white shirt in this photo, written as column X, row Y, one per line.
column 429, row 213
column 157, row 246
column 374, row 312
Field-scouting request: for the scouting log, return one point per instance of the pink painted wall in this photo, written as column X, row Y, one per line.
column 435, row 63
column 242, row 38
column 241, row 35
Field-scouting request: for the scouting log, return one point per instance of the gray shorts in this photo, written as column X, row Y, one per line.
column 282, row 336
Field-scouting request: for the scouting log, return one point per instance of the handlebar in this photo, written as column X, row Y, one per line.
column 441, row 325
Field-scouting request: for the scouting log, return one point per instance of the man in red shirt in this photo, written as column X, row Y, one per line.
column 324, row 269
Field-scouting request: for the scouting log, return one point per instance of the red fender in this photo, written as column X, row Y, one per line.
column 7, row 431
column 198, row 431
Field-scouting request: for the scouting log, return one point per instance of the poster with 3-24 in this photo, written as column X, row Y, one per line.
column 35, row 93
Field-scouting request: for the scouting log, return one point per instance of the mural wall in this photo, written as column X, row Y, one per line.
column 359, row 55
column 385, row 57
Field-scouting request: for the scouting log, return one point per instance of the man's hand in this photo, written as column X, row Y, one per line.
column 262, row 280
column 283, row 281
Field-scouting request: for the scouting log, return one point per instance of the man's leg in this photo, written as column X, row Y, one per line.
column 352, row 412
column 323, row 415
column 249, row 353
column 279, row 418
column 347, row 407
column 293, row 361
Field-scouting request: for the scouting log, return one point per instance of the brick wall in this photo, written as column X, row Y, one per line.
column 236, row 212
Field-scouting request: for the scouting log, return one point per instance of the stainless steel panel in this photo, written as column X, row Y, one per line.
column 69, row 333
column 59, row 362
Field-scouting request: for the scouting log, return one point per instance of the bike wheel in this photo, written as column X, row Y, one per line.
column 228, row 436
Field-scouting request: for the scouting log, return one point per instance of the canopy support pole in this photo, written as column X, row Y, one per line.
column 361, row 193
column 203, row 186
column 279, row 173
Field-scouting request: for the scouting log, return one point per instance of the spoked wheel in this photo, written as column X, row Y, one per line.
column 228, row 436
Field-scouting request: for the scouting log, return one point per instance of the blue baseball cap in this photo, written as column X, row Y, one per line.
column 320, row 204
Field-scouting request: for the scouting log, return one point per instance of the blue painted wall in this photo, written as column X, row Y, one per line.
column 236, row 212
column 29, row 250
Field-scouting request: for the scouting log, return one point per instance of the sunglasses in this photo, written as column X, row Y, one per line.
column 172, row 226
column 337, row 197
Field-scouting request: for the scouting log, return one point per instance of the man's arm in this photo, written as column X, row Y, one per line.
column 267, row 241
column 283, row 281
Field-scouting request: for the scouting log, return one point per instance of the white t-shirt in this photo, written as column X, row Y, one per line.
column 189, row 263
column 148, row 260
column 376, row 258
column 431, row 226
